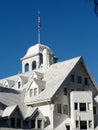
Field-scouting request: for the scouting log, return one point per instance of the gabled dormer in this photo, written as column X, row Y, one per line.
column 35, row 87
column 20, row 81
column 8, row 83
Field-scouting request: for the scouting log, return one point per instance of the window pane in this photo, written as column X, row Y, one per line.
column 19, row 84
column 18, row 123
column 65, row 91
column 72, row 78
column 79, row 79
column 34, row 65
column 75, row 106
column 65, row 109
column 39, row 124
column 26, row 67
column 94, row 109
column 35, row 91
column 67, row 127
column 83, row 125
column 85, row 81
column 31, row 92
column 13, row 122
column 32, row 123
column 77, row 124
column 82, row 106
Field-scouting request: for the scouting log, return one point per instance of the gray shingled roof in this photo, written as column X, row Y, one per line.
column 12, row 97
column 10, row 82
column 54, row 77
column 8, row 110
column 41, row 84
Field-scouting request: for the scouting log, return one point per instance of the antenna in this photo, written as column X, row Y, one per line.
column 38, row 26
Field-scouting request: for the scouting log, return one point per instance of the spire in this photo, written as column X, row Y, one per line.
column 38, row 26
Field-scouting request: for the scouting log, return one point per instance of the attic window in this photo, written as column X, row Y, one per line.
column 19, row 84
column 85, row 81
column 72, row 77
column 31, row 92
column 65, row 91
column 35, row 91
column 79, row 79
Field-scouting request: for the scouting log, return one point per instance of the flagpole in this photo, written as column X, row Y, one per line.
column 38, row 26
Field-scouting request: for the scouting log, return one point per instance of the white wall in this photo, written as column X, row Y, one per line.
column 81, row 97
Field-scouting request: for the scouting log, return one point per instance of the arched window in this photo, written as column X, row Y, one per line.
column 33, row 65
column 26, row 67
column 41, row 59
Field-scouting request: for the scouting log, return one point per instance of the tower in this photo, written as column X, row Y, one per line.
column 38, row 56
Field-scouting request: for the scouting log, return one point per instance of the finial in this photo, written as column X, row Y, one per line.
column 38, row 26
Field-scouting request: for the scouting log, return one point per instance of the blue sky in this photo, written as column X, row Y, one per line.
column 69, row 28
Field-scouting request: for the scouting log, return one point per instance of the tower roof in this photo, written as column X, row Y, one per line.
column 34, row 50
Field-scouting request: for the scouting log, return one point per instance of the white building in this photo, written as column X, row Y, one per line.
column 48, row 95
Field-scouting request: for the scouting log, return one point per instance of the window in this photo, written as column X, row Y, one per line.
column 18, row 123
column 41, row 59
column 31, row 92
column 65, row 91
column 35, row 91
column 77, row 123
column 34, row 65
column 79, row 79
column 90, row 124
column 85, row 81
column 72, row 78
column 13, row 122
column 82, row 106
column 65, row 109
column 32, row 123
column 39, row 123
column 75, row 106
column 67, row 127
column 59, row 108
column 26, row 67
column 19, row 84
column 94, row 109
column 89, row 106
column 83, row 125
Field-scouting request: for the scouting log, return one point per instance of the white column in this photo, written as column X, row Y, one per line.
column 46, row 60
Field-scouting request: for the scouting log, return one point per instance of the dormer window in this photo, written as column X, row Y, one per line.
column 19, row 84
column 35, row 91
column 31, row 92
